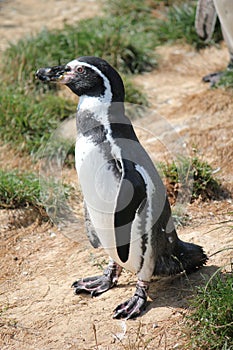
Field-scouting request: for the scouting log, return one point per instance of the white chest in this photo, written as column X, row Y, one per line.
column 96, row 175
column 84, row 147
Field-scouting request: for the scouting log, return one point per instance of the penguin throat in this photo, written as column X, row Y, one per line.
column 97, row 106
column 93, row 104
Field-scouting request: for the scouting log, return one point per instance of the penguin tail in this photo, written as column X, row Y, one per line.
column 189, row 256
column 185, row 256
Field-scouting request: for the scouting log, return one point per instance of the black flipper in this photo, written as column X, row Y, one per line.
column 131, row 195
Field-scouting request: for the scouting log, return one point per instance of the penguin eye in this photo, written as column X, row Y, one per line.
column 80, row 69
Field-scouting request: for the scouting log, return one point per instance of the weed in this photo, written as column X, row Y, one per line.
column 175, row 21
column 132, row 94
column 180, row 217
column 54, row 197
column 18, row 190
column 27, row 122
column 211, row 321
column 190, row 173
column 226, row 79
column 134, row 8
column 58, row 152
column 178, row 25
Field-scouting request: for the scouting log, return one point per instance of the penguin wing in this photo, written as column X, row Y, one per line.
column 205, row 19
column 130, row 199
column 91, row 233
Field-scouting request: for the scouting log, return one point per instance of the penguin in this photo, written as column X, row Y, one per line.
column 125, row 203
column 206, row 15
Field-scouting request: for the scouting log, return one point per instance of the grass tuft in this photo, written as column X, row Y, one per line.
column 22, row 190
column 190, row 173
column 211, row 321
column 168, row 21
column 178, row 25
column 226, row 80
column 133, row 94
column 19, row 190
column 27, row 122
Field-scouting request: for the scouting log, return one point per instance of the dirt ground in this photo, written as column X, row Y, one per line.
column 39, row 262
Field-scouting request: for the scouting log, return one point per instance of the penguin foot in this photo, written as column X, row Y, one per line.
column 213, row 78
column 93, row 285
column 98, row 284
column 134, row 306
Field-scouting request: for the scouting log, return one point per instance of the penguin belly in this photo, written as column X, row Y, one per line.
column 100, row 184
column 100, row 181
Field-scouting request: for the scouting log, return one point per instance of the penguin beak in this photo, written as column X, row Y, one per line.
column 54, row 74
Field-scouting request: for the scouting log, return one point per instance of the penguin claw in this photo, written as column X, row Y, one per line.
column 93, row 285
column 131, row 308
column 212, row 78
column 99, row 284
column 134, row 306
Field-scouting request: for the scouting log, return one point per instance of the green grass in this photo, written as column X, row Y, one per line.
column 226, row 80
column 133, row 94
column 190, row 173
column 27, row 121
column 178, row 25
column 211, row 322
column 20, row 190
column 177, row 22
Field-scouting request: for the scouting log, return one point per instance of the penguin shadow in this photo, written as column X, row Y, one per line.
column 177, row 291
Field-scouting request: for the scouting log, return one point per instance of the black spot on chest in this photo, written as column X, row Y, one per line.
column 88, row 126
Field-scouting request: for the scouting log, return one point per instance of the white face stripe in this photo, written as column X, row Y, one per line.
column 108, row 92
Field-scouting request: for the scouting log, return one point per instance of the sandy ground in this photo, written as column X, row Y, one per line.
column 39, row 262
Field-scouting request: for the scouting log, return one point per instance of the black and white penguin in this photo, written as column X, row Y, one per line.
column 126, row 208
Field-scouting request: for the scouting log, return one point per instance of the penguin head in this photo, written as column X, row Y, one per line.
column 88, row 75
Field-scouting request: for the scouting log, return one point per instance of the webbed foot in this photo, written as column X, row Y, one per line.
column 93, row 285
column 213, row 78
column 98, row 284
column 134, row 306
